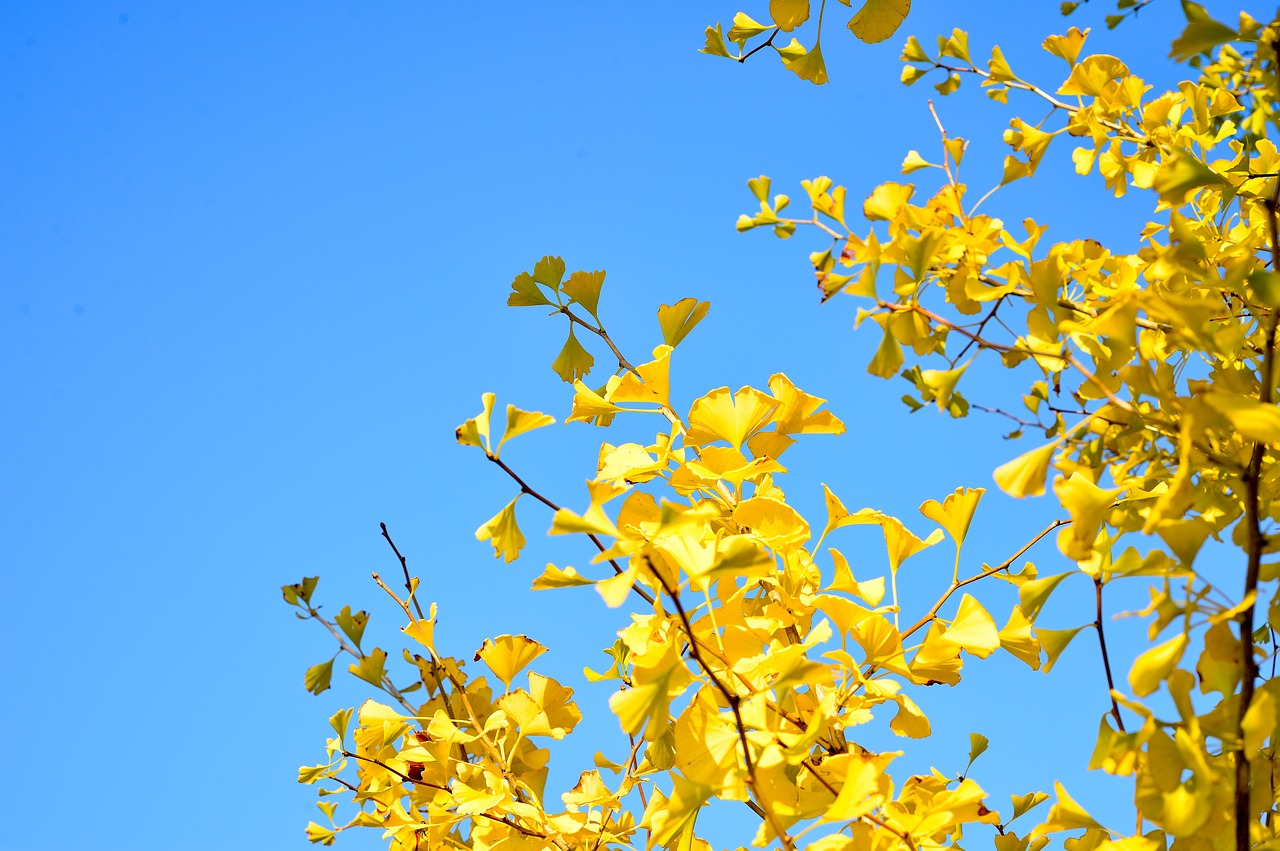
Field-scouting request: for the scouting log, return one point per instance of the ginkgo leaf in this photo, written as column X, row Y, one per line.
column 973, row 630
column 1250, row 417
column 1066, row 814
column 422, row 630
column 909, row 721
column 503, row 532
column 745, row 27
column 352, row 625
column 546, row 709
column 584, row 288
column 901, row 543
column 318, row 676
column 1088, row 505
column 955, row 512
column 714, row 43
column 978, row 745
column 798, row 411
column 789, row 14
column 1025, row 475
column 519, row 422
column 1034, row 593
column 877, row 20
column 1054, row 641
column 525, row 292
column 882, row 644
column 888, row 358
column 733, row 417
column 574, row 361
column 859, row 794
column 1017, row 639
column 371, row 668
column 1152, row 667
column 555, row 577
column 475, row 431
column 780, row 525
column 508, row 655
column 549, row 271
column 653, row 385
column 809, row 66
column 589, row 405
column 871, row 590
column 678, row 319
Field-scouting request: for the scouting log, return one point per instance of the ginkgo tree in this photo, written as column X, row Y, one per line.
column 756, row 652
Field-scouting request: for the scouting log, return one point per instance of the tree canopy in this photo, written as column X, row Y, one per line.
column 755, row 649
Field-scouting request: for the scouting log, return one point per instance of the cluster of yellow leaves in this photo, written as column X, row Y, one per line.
column 754, row 658
column 1152, row 373
column 873, row 22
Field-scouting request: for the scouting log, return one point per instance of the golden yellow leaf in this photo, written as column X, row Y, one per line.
column 507, row 655
column 879, row 19
column 1152, row 667
column 973, row 629
column 1066, row 814
column 502, row 531
column 720, row 415
column 1025, row 475
column 909, row 721
column 955, row 512
column 519, row 422
column 1248, row 416
column 789, row 14
column 1088, row 505
column 1016, row 638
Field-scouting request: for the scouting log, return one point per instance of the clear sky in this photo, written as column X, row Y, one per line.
column 253, row 267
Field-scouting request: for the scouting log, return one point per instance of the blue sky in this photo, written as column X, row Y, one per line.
column 253, row 268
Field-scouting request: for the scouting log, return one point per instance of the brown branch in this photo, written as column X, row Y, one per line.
column 732, row 698
column 599, row 331
column 407, row 779
column 1004, row 565
column 759, row 47
column 1255, row 543
column 526, row 488
column 1106, row 659
column 404, row 566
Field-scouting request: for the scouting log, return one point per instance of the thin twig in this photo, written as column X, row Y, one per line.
column 404, row 565
column 1106, row 659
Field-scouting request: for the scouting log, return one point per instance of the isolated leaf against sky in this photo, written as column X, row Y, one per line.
column 1025, row 475
column 503, row 532
column 809, row 65
column 877, row 20
column 955, row 512
column 507, row 655
column 798, row 411
column 789, row 14
column 520, row 422
column 677, row 320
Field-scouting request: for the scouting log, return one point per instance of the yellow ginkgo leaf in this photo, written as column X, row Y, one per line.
column 574, row 361
column 778, row 524
column 1034, row 593
column 1153, row 666
column 1016, row 638
column 678, row 319
column 798, row 412
column 1248, row 416
column 955, row 512
column 877, row 20
column 902, row 544
column 507, row 655
column 1088, row 505
column 859, row 794
column 909, row 721
column 589, row 405
column 882, row 644
column 520, row 422
column 809, row 66
column 973, row 630
column 1054, row 641
column 555, row 577
column 733, row 417
column 653, row 384
column 1066, row 814
column 1025, row 475
column 422, row 630
column 789, row 14
column 475, row 431
column 584, row 289
column 886, row 201
column 501, row 530
column 871, row 590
